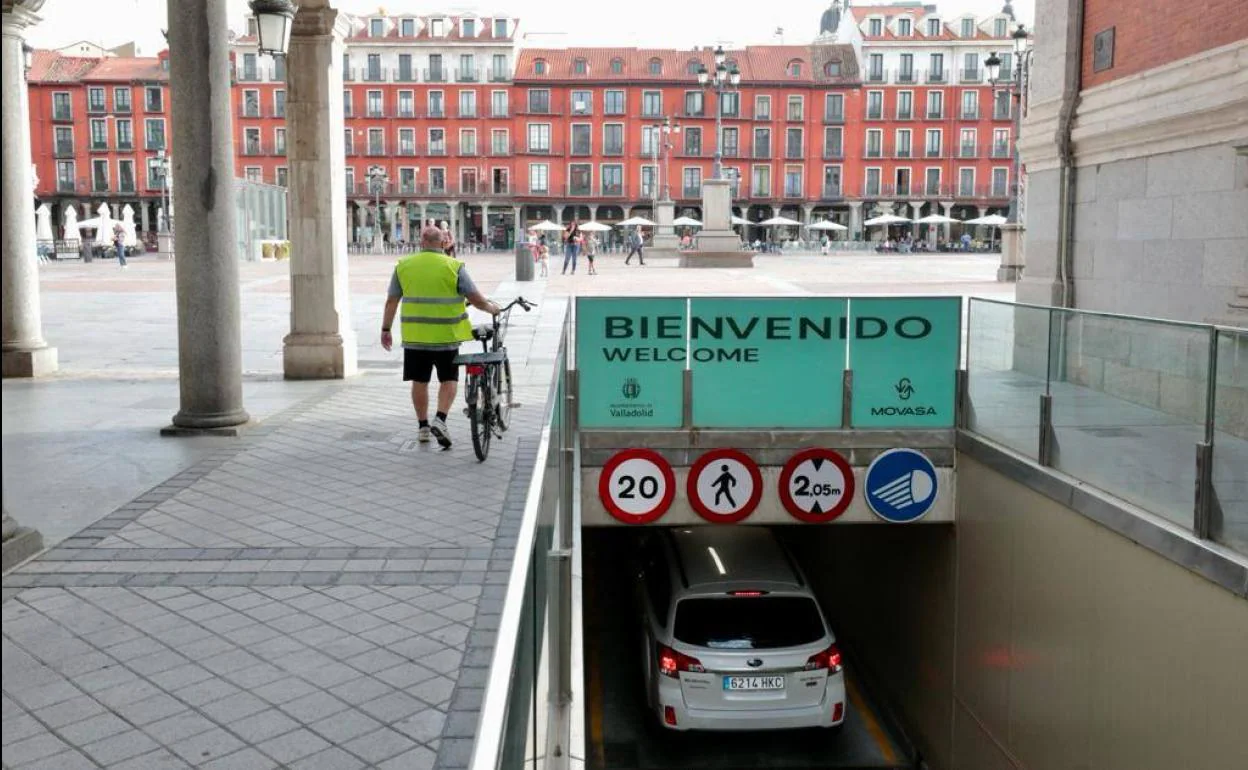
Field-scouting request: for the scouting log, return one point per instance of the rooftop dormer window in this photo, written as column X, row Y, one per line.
column 500, row 28
column 904, row 27
column 376, row 27
column 580, row 66
column 468, row 28
column 875, row 27
column 437, row 27
column 656, row 66
column 795, row 69
column 617, row 66
column 933, row 27
column 1000, row 27
column 252, row 30
column 968, row 28
column 691, row 66
column 832, row 69
column 407, row 28
column 539, row 67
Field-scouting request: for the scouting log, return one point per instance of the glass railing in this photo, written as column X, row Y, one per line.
column 1153, row 412
column 514, row 710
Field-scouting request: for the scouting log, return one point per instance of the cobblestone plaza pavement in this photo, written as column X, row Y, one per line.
column 322, row 592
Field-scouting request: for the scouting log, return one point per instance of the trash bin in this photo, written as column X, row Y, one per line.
column 524, row 263
column 87, row 249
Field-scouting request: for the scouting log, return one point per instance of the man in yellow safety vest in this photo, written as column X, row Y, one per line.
column 432, row 289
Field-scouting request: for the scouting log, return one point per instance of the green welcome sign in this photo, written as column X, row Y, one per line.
column 767, row 362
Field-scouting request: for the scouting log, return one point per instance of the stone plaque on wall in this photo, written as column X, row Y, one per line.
column 1103, row 50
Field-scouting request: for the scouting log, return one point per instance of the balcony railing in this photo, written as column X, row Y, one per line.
column 436, row 150
column 933, row 152
column 437, row 113
column 469, row 75
column 615, row 151
column 62, row 113
column 761, row 152
column 502, row 150
column 910, row 76
column 873, row 152
column 407, row 150
column 463, row 114
column 905, row 114
column 249, row 110
column 96, row 107
column 252, row 149
column 401, row 75
column 935, row 114
column 500, row 114
column 903, row 152
column 733, row 151
column 468, row 151
column 970, row 114
column 833, row 153
column 762, row 116
column 348, row 74
column 932, row 188
column 406, row 112
column 150, row 106
column 277, row 74
column 64, row 150
column 1000, row 150
column 971, row 76
column 499, row 76
column 65, row 185
column 967, row 150
column 692, row 152
column 612, row 190
column 794, row 153
column 121, row 108
column 937, row 76
column 377, row 75
column 1000, row 114
column 831, row 193
column 834, row 117
column 125, row 146
column 792, row 192
column 875, row 114
column 691, row 192
column 434, row 75
column 876, row 76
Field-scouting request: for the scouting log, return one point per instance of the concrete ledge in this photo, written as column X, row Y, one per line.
column 29, row 363
column 716, row 259
column 227, row 430
column 24, row 544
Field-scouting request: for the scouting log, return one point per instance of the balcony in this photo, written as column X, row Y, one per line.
column 463, row 114
column 151, row 106
column 406, row 112
column 1000, row 114
column 125, row 146
column 612, row 191
column 348, row 74
column 905, row 115
column 375, row 112
column 875, row 114
column 907, row 76
column 249, row 111
column 277, row 74
column 470, row 151
column 831, row 193
column 65, row 113
column 692, row 192
column 578, row 190
column 876, row 76
column 407, row 150
column 761, row 153
column 936, row 76
column 613, row 151
column 99, row 185
column 252, row 149
column 469, row 75
column 374, row 75
column 125, row 186
column 65, row 185
column 401, row 75
column 970, row 114
column 539, row 190
column 698, row 113
column 437, row 75
column 903, row 153
column 278, row 112
column 96, row 108
column 435, row 113
column 933, row 152
column 935, row 114
column 249, row 76
column 794, row 153
column 692, row 152
column 730, row 152
column 932, row 188
column 873, row 152
column 834, row 117
column 798, row 116
column 97, row 146
column 499, row 76
column 1001, row 150
column 763, row 116
column 998, row 191
column 971, row 76
column 792, row 192
column 502, row 150
column 121, row 108
column 437, row 150
column 64, row 150
column 967, row 150
column 834, row 153
column 500, row 114
column 541, row 150
column 543, row 110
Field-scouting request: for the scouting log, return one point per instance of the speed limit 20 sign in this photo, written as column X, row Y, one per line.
column 816, row 485
column 637, row 486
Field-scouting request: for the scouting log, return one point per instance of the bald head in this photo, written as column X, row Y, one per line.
column 431, row 239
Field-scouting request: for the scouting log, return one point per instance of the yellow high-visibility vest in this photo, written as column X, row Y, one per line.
column 431, row 314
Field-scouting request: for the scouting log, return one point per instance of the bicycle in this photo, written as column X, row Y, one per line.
column 489, row 387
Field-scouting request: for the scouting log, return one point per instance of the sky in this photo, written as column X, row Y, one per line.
column 543, row 23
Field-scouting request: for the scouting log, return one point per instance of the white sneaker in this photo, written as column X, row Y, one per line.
column 438, row 429
column 423, row 436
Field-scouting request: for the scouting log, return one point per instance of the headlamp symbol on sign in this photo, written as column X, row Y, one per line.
column 631, row 388
column 904, row 491
column 901, row 485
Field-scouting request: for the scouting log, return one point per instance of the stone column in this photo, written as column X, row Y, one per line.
column 144, row 222
column 210, row 361
column 948, row 211
column 1011, row 267
column 321, row 344
column 486, row 234
column 25, row 353
column 361, row 219
column 517, row 232
column 917, row 208
column 392, row 218
column 855, row 221
column 420, row 219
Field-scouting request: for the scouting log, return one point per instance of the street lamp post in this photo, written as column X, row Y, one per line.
column 663, row 131
column 166, row 191
column 723, row 80
column 377, row 182
column 1017, row 90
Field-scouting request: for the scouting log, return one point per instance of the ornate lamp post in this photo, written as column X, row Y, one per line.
column 723, row 80
column 663, row 131
column 1011, row 268
column 274, row 19
column 377, row 179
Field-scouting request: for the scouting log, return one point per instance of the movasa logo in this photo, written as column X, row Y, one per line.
column 905, row 391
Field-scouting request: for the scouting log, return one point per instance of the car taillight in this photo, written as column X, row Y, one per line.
column 747, row 593
column 838, row 711
column 475, row 369
column 829, row 659
column 669, row 715
column 671, row 663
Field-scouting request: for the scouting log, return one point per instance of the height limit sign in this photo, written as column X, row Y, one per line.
column 816, row 485
column 637, row 486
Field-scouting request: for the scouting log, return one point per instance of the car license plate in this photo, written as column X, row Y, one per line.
column 753, row 683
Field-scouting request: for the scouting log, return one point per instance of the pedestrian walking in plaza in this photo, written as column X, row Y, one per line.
column 432, row 288
column 543, row 259
column 448, row 239
column 634, row 246
column 571, row 245
column 591, row 251
column 119, row 242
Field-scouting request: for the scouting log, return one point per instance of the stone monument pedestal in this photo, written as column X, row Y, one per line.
column 1011, row 268
column 718, row 244
column 164, row 245
column 664, row 242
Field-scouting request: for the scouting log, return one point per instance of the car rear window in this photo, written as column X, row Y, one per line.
column 748, row 623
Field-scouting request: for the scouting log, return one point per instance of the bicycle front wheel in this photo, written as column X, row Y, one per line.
column 480, row 414
column 503, row 395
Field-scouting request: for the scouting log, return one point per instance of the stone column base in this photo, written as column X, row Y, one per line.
column 19, row 545
column 1009, row 273
column 319, row 356
column 29, row 363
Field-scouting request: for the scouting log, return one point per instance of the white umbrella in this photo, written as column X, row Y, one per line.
column 127, row 222
column 595, row 227
column 826, row 225
column 736, row 220
column 546, row 224
column 686, row 222
column 89, row 224
column 780, row 222
column 992, row 220
column 104, row 234
column 43, row 223
column 636, row 222
column 71, row 222
column 937, row 219
column 886, row 219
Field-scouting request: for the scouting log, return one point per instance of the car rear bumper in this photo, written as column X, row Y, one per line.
column 759, row 719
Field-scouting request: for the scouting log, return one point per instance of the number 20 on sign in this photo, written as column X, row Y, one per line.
column 637, row 486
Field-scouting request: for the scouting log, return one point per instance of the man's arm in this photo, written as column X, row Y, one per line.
column 393, row 295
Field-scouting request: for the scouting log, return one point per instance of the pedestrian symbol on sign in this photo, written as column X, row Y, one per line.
column 724, row 486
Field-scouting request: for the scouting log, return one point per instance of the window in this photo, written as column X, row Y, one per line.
column 905, row 72
column 875, row 67
column 125, row 175
column 582, row 140
column 500, row 28
column 467, row 141
column 1001, row 143
column 933, row 27
column 905, row 105
column 902, row 146
column 376, row 108
column 582, row 102
column 580, row 67
column 467, row 104
column 936, row 68
column 613, row 139
column 251, row 141
column 539, row 178
column 348, row 143
column 437, row 141
column 966, row 182
column 125, row 135
column 279, row 141
column 154, row 138
column 730, row 104
column 693, row 141
column 649, row 140
column 62, row 108
column 901, row 182
column 966, row 143
column 346, row 103
column 499, row 142
column 729, row 143
column 251, row 103
column 407, row 105
column 760, row 182
column 693, row 103
column 793, row 143
column 467, row 68
column 875, row 27
column 832, row 69
column 373, row 71
column 254, row 174
column 904, row 27
column 833, row 142
column 834, row 107
column 968, row 28
column 501, row 181
column 873, row 182
column 153, row 99
column 648, row 181
column 347, row 74
column 1001, row 105
column 279, row 104
column 970, row 66
column 435, row 73
column 437, row 180
column 875, row 105
column 539, row 100
column 999, row 27
column 539, row 137
column 407, row 141
column 762, row 143
column 617, row 66
column 437, row 108
column 932, row 181
column 580, row 179
column 1006, row 72
column 692, row 66
column 283, row 177
column 655, row 67
column 612, row 179
column 498, row 104
column 99, row 135
column 350, row 177
column 651, row 104
column 539, row 67
column 65, row 177
column 795, row 69
column 692, row 181
column 970, row 105
column 407, row 180
column 498, row 67
column 1000, row 182
column 376, row 141
column 95, row 101
column 831, row 181
column 875, row 143
column 613, row 103
column 762, row 108
column 468, row 181
column 155, row 174
column 792, row 181
column 468, row 27
column 797, row 107
column 935, row 105
column 407, row 28
column 376, row 27
column 64, row 140
column 934, row 142
column 99, row 175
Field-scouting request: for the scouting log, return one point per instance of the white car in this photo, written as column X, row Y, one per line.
column 733, row 638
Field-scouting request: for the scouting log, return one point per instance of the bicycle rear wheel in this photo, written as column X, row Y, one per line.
column 503, row 394
column 480, row 414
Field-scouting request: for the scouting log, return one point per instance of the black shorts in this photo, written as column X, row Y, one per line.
column 418, row 365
